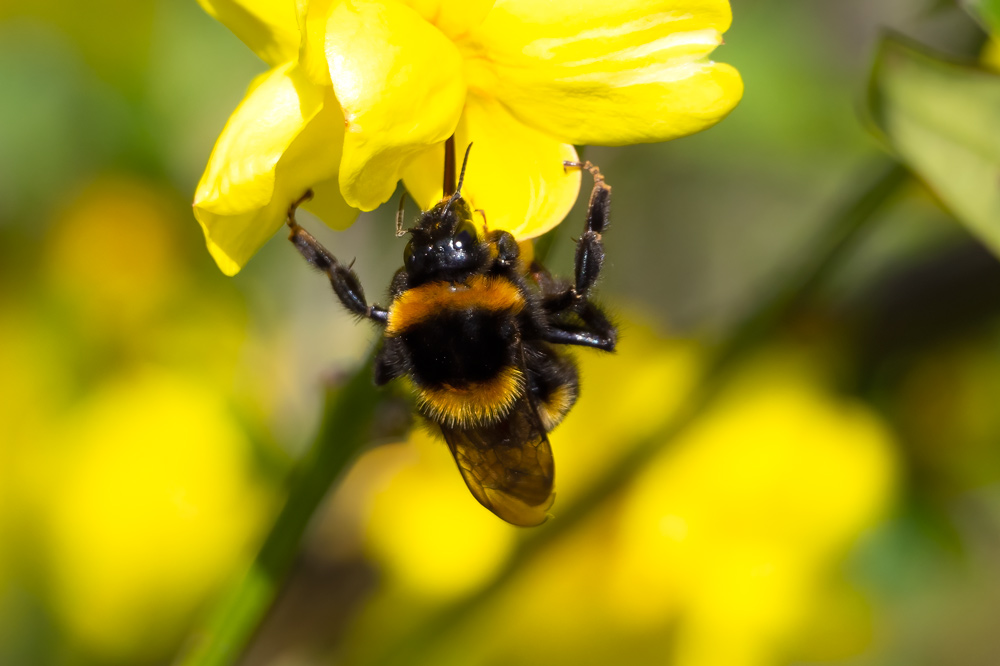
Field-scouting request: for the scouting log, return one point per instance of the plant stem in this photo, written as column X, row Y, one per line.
column 790, row 289
column 348, row 413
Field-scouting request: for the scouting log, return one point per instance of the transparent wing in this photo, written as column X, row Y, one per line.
column 507, row 466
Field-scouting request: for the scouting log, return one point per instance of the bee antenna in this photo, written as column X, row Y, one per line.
column 399, row 216
column 461, row 175
column 461, row 179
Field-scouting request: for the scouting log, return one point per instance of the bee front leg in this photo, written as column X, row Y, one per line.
column 344, row 281
column 559, row 300
column 590, row 247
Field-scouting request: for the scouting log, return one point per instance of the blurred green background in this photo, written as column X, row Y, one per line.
column 838, row 504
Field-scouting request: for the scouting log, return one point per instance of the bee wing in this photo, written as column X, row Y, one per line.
column 507, row 466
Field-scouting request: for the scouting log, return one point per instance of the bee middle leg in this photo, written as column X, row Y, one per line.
column 595, row 329
column 344, row 281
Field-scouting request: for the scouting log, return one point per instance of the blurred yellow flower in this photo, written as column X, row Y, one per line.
column 736, row 528
column 990, row 56
column 113, row 250
column 127, row 479
column 363, row 93
column 156, row 507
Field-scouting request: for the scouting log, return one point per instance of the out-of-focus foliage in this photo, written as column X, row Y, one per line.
column 987, row 11
column 953, row 433
column 942, row 118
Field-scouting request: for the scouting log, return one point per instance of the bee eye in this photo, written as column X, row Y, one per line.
column 465, row 236
column 408, row 254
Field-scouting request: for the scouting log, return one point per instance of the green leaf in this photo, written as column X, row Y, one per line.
column 943, row 121
column 986, row 12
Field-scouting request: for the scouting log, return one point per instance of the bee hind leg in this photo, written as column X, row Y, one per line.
column 343, row 279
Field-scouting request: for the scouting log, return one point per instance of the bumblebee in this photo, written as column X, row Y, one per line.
column 478, row 334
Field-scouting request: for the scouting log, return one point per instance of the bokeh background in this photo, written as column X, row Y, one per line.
column 839, row 503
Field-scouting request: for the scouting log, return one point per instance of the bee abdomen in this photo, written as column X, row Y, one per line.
column 461, row 343
column 554, row 384
column 472, row 404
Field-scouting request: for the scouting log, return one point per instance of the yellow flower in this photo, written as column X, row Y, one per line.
column 155, row 504
column 990, row 56
column 363, row 93
column 739, row 526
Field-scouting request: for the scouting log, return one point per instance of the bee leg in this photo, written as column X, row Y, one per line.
column 344, row 281
column 559, row 297
column 560, row 300
column 507, row 251
column 597, row 330
column 390, row 362
column 590, row 247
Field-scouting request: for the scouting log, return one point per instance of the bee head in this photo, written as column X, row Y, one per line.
column 445, row 244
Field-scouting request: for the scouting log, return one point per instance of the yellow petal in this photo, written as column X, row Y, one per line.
column 454, row 18
column 328, row 205
column 515, row 174
column 269, row 27
column 283, row 139
column 990, row 56
column 608, row 73
column 399, row 81
column 313, row 16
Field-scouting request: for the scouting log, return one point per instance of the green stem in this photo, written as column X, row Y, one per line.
column 792, row 287
column 348, row 413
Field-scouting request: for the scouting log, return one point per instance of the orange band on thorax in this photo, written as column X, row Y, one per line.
column 495, row 294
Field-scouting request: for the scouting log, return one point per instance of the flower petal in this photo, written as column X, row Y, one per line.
column 454, row 18
column 269, row 27
column 399, row 81
column 515, row 174
column 327, row 203
column 313, row 16
column 283, row 139
column 609, row 73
